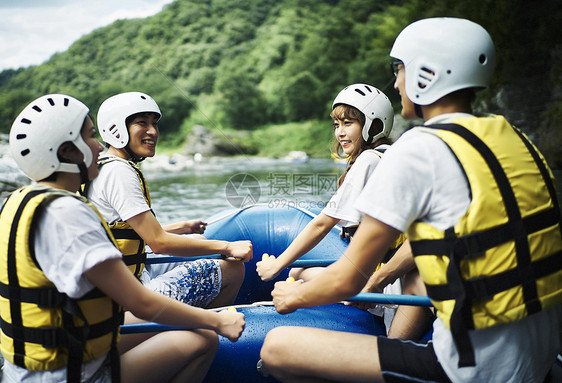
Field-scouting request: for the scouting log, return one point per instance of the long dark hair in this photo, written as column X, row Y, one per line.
column 346, row 112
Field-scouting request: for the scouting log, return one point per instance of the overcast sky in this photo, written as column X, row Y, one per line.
column 32, row 30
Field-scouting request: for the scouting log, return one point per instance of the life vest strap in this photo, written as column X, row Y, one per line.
column 44, row 297
column 135, row 259
column 484, row 288
column 53, row 337
column 125, row 234
column 475, row 244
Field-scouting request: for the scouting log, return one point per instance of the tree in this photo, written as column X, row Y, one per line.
column 12, row 103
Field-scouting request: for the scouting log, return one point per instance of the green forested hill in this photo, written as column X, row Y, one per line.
column 247, row 65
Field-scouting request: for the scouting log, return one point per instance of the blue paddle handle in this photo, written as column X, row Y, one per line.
column 297, row 263
column 136, row 328
column 170, row 259
column 409, row 300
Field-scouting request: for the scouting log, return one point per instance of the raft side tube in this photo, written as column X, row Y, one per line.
column 271, row 230
column 236, row 362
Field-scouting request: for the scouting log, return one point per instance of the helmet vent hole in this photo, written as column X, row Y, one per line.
column 360, row 92
column 24, row 152
column 38, row 109
column 482, row 59
column 144, row 98
column 25, row 121
column 21, row 136
column 114, row 131
column 66, row 102
column 51, row 101
column 425, row 77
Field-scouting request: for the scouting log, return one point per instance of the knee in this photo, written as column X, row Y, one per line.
column 209, row 341
column 273, row 348
column 232, row 271
column 196, row 342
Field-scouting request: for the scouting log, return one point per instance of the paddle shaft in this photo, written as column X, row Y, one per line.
column 410, row 300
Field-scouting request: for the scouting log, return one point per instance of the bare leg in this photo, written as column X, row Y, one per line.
column 128, row 341
column 305, row 274
column 176, row 356
column 232, row 278
column 305, row 354
column 411, row 322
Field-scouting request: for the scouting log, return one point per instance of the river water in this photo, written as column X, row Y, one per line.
column 208, row 187
column 184, row 189
column 211, row 186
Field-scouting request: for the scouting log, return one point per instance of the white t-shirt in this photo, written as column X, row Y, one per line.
column 117, row 193
column 340, row 205
column 69, row 241
column 423, row 181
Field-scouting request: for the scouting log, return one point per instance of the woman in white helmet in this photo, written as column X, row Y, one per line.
column 128, row 124
column 362, row 120
column 479, row 206
column 63, row 285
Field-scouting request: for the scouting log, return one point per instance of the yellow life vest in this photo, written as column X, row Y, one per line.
column 129, row 242
column 43, row 329
column 502, row 261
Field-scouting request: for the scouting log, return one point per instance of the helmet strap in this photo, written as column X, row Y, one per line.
column 418, row 110
column 375, row 130
column 83, row 173
column 134, row 157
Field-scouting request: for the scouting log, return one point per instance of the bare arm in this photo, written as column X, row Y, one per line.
column 311, row 235
column 117, row 281
column 162, row 242
column 344, row 278
column 400, row 263
column 194, row 226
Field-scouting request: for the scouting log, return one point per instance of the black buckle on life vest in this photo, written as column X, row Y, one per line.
column 471, row 248
column 479, row 289
column 50, row 298
column 50, row 338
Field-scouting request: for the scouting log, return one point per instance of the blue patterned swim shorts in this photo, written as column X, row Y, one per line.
column 196, row 283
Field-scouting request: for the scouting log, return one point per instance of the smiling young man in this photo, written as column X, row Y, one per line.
column 128, row 124
column 479, row 206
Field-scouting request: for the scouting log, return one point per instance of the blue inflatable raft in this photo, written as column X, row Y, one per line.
column 271, row 230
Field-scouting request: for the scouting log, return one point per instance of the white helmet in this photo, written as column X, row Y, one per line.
column 443, row 55
column 41, row 128
column 372, row 103
column 114, row 111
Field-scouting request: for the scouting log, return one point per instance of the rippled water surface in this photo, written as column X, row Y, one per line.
column 188, row 190
column 203, row 189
